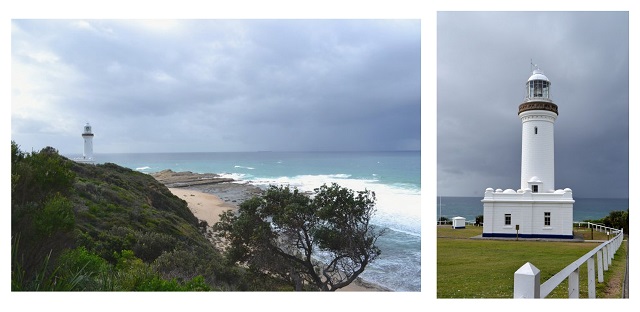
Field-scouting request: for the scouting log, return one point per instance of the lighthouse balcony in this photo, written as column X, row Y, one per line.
column 538, row 105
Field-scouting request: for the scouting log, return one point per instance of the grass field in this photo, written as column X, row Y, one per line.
column 468, row 268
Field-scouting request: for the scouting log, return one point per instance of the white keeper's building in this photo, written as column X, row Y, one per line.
column 536, row 209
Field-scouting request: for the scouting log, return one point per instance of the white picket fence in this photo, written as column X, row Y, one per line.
column 526, row 282
column 595, row 226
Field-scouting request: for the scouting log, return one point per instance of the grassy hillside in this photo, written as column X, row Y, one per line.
column 104, row 227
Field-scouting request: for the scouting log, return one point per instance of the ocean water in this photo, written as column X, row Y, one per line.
column 583, row 208
column 393, row 176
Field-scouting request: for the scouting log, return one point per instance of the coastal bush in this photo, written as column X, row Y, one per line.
column 618, row 220
column 37, row 175
column 150, row 245
column 57, row 214
column 132, row 274
column 77, row 225
column 44, row 276
column 79, row 258
column 87, row 269
column 155, row 283
column 130, row 271
column 324, row 241
column 186, row 263
column 42, row 215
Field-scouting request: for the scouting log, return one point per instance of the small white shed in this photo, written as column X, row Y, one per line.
column 458, row 222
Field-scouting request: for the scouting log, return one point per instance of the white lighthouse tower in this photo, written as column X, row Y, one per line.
column 536, row 209
column 87, row 135
column 538, row 115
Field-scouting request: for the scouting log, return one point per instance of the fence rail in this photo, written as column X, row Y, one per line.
column 598, row 227
column 526, row 282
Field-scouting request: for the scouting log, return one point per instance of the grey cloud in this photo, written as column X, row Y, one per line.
column 483, row 64
column 258, row 84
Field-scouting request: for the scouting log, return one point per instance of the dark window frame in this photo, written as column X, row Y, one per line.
column 547, row 218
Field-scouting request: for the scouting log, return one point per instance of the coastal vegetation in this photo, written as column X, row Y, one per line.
column 103, row 227
column 84, row 227
column 285, row 232
column 616, row 219
column 470, row 268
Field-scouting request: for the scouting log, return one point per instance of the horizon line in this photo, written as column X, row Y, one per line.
column 258, row 151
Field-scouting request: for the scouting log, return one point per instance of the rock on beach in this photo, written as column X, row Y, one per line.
column 227, row 189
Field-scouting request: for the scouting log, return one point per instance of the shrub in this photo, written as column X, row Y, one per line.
column 37, row 175
column 150, row 245
column 86, row 268
column 80, row 259
column 57, row 214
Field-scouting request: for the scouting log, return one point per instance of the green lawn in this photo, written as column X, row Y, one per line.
column 468, row 268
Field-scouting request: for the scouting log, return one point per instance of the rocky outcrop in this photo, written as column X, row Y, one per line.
column 171, row 178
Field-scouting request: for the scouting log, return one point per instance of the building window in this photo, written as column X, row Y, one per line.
column 547, row 219
column 534, row 189
column 535, row 130
column 507, row 219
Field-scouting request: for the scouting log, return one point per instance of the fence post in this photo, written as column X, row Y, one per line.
column 600, row 267
column 605, row 257
column 574, row 283
column 591, row 277
column 614, row 248
column 526, row 282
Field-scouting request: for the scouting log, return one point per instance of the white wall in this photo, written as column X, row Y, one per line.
column 538, row 149
column 527, row 210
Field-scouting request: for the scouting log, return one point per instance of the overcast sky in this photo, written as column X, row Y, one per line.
column 484, row 61
column 216, row 85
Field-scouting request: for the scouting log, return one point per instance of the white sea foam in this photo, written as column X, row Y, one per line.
column 244, row 167
column 397, row 207
column 234, row 176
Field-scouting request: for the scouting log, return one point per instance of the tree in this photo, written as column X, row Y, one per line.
column 618, row 220
column 325, row 240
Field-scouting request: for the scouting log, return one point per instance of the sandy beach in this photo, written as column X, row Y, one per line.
column 204, row 206
column 208, row 207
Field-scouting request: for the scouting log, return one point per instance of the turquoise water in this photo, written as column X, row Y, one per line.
column 393, row 176
column 583, row 208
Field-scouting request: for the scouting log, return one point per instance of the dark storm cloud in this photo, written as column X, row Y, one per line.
column 483, row 64
column 217, row 85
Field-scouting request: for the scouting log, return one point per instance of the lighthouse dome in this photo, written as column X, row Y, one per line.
column 538, row 75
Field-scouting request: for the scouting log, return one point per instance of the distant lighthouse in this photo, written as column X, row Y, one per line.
column 87, row 135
